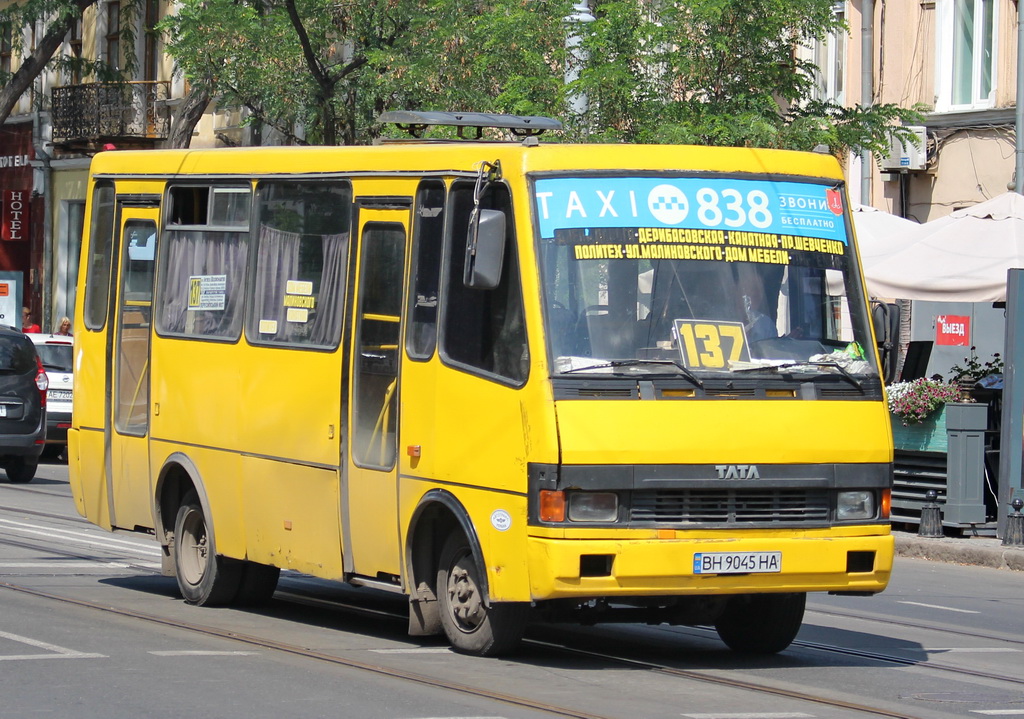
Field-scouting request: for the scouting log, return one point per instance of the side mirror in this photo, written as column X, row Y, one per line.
column 886, row 319
column 485, row 249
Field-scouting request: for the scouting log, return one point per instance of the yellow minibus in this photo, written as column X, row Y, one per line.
column 511, row 380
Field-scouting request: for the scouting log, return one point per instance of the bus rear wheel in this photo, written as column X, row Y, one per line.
column 473, row 627
column 257, row 585
column 761, row 623
column 203, row 577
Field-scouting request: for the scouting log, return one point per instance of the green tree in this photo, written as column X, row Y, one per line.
column 722, row 72
column 56, row 18
column 330, row 68
column 719, row 72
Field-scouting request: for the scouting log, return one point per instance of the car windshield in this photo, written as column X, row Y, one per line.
column 699, row 276
column 55, row 357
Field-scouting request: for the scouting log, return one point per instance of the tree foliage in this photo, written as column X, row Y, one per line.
column 329, row 69
column 722, row 72
column 51, row 21
column 719, row 72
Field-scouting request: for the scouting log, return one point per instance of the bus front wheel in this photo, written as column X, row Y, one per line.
column 203, row 577
column 761, row 623
column 473, row 627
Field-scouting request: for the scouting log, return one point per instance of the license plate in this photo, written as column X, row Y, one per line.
column 737, row 562
column 59, row 395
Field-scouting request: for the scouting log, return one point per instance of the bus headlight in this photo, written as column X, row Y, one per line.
column 858, row 504
column 593, row 507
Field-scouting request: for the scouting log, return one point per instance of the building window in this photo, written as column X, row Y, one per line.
column 829, row 58
column 113, row 36
column 965, row 55
column 5, row 51
column 75, row 49
column 151, row 62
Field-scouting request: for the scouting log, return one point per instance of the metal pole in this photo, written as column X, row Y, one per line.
column 867, row 92
column 1012, row 433
column 576, row 56
column 1018, row 175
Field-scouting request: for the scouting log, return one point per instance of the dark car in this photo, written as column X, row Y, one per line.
column 23, row 385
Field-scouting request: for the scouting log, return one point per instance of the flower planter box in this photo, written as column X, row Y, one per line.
column 926, row 436
column 931, row 435
column 944, row 453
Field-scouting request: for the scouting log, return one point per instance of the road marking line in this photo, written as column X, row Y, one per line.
column 70, row 536
column 202, row 652
column 58, row 652
column 752, row 715
column 972, row 650
column 83, row 564
column 938, row 606
column 999, row 712
column 417, row 650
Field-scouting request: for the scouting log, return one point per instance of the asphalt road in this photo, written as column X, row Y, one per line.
column 88, row 628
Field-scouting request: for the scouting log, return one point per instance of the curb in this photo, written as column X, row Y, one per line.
column 976, row 552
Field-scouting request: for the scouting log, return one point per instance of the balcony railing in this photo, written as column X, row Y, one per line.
column 110, row 111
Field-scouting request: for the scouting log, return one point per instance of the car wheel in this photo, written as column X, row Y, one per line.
column 203, row 577
column 761, row 623
column 21, row 469
column 473, row 627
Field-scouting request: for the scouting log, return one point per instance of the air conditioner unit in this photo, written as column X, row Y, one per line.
column 907, row 155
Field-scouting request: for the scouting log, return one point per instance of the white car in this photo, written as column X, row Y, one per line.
column 56, row 352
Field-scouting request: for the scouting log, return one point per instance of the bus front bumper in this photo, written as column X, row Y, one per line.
column 592, row 568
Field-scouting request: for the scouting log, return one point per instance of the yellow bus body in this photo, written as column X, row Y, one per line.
column 262, row 432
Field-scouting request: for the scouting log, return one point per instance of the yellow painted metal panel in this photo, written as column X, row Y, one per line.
column 501, row 544
column 664, row 567
column 723, row 432
column 85, row 470
column 292, row 516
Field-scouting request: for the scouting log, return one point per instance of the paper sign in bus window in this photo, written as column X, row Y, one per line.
column 711, row 345
column 207, row 292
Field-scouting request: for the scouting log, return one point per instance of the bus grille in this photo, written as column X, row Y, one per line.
column 731, row 506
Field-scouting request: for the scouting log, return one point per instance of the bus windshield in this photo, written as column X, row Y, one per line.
column 702, row 275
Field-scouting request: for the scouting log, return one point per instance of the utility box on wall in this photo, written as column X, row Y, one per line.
column 907, row 155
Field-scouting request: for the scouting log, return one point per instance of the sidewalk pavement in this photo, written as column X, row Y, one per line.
column 978, row 551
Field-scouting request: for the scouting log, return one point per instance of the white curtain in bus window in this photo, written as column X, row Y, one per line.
column 201, row 283
column 290, row 308
column 302, row 248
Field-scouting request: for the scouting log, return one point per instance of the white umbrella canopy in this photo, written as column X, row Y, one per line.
column 963, row 257
column 881, row 234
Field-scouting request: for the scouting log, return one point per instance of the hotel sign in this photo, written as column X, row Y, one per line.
column 14, row 215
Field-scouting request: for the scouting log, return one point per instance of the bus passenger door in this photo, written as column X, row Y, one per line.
column 127, row 425
column 370, row 511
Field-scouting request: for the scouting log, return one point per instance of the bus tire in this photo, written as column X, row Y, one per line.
column 761, row 623
column 258, row 584
column 471, row 626
column 20, row 469
column 203, row 577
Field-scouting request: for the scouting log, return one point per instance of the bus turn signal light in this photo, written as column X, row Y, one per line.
column 886, row 503
column 552, row 506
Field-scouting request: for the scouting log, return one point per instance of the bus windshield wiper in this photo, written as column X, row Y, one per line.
column 615, row 364
column 807, row 363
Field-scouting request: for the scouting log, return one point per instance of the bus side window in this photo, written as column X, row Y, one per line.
column 428, row 237
column 101, row 238
column 203, row 259
column 302, row 240
column 484, row 329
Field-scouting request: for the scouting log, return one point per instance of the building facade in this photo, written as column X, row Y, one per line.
column 55, row 128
